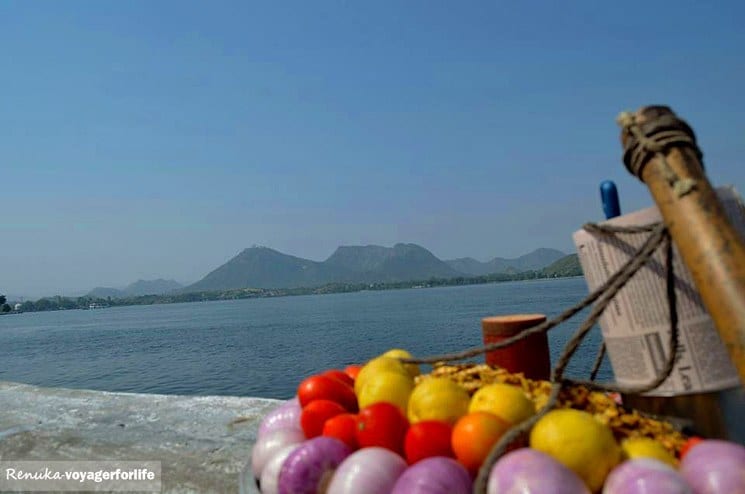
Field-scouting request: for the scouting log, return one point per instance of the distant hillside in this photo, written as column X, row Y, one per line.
column 106, row 292
column 152, row 287
column 538, row 259
column 136, row 289
column 566, row 266
column 360, row 258
column 261, row 267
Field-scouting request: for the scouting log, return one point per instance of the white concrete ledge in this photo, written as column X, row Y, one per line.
column 203, row 442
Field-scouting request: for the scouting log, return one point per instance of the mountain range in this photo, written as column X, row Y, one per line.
column 262, row 267
column 136, row 289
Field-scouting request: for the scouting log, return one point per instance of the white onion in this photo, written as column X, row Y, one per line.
column 645, row 476
column 271, row 443
column 285, row 416
column 529, row 471
column 270, row 475
column 369, row 470
column 715, row 467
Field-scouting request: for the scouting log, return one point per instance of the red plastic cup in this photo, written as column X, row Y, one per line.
column 529, row 356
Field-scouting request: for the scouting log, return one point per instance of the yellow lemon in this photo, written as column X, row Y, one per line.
column 438, row 398
column 581, row 443
column 391, row 387
column 503, row 400
column 644, row 447
column 413, row 369
column 375, row 366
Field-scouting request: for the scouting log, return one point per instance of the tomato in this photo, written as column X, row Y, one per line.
column 339, row 376
column 352, row 371
column 344, row 428
column 690, row 443
column 474, row 435
column 383, row 425
column 315, row 415
column 320, row 387
column 426, row 439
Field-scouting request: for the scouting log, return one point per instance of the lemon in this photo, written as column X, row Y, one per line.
column 580, row 442
column 412, row 369
column 438, row 398
column 644, row 447
column 375, row 366
column 391, row 387
column 506, row 402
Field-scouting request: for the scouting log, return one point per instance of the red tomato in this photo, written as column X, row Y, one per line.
column 321, row 387
column 339, row 376
column 344, row 428
column 690, row 443
column 352, row 371
column 382, row 424
column 426, row 439
column 315, row 415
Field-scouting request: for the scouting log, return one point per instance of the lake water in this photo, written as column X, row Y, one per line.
column 265, row 347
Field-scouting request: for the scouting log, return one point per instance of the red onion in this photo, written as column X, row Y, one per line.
column 309, row 468
column 369, row 470
column 715, row 467
column 435, row 475
column 529, row 471
column 285, row 416
column 645, row 476
column 268, row 445
column 270, row 475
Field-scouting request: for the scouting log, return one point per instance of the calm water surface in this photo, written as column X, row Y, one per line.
column 264, row 347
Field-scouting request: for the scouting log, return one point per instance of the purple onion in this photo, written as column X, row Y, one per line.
column 529, row 471
column 435, row 475
column 309, row 468
column 715, row 467
column 285, row 416
column 645, row 476
column 369, row 470
column 268, row 445
column 270, row 475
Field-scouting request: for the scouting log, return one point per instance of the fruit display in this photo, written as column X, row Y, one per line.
column 384, row 427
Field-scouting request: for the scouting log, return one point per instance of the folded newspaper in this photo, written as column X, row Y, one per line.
column 636, row 325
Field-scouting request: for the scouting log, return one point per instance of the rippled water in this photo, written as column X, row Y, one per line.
column 264, row 347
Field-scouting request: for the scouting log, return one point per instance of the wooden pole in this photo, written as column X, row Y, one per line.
column 710, row 247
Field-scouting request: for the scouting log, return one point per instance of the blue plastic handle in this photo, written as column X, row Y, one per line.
column 609, row 196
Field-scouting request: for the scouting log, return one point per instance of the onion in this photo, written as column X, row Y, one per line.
column 435, row 475
column 645, row 476
column 285, row 416
column 268, row 445
column 270, row 474
column 309, row 468
column 715, row 467
column 369, row 470
column 529, row 471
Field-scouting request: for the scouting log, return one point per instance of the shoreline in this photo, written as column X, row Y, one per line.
column 49, row 304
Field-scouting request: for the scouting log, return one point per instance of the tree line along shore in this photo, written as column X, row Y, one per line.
column 87, row 302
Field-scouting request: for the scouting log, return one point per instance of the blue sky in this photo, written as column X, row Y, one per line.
column 158, row 139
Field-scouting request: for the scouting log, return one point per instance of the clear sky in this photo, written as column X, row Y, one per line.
column 146, row 139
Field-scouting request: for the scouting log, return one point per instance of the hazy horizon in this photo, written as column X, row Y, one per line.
column 146, row 140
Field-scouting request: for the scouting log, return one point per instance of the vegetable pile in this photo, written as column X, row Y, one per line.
column 384, row 428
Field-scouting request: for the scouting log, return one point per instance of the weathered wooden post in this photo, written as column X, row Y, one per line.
column 661, row 150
